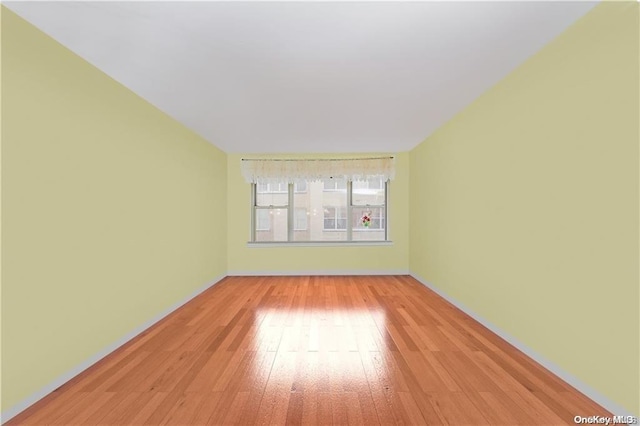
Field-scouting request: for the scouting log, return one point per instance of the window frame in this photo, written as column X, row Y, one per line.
column 290, row 208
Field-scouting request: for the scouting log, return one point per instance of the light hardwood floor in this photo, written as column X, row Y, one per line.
column 314, row 350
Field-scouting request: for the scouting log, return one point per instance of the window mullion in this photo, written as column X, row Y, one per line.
column 349, row 210
column 386, row 210
column 253, row 211
column 290, row 212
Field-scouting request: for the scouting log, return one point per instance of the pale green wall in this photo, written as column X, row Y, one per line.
column 112, row 211
column 243, row 259
column 529, row 200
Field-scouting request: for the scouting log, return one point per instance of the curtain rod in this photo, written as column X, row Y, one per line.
column 314, row 159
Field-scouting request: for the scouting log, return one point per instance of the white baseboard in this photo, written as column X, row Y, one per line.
column 318, row 272
column 611, row 406
column 64, row 378
column 614, row 408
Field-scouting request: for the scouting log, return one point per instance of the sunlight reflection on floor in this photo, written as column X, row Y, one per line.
column 322, row 349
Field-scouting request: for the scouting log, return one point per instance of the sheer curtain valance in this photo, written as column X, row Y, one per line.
column 294, row 170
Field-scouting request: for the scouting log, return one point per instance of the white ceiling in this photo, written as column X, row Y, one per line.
column 259, row 77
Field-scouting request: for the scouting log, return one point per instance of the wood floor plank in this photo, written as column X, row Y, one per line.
column 55, row 404
column 457, row 409
column 203, row 414
column 186, row 408
column 488, row 404
column 145, row 402
column 499, row 407
column 116, row 410
column 94, row 403
column 411, row 408
column 234, row 411
column 81, row 402
column 314, row 350
column 104, row 409
column 385, row 400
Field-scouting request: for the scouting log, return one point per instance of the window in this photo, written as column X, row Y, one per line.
column 300, row 219
column 375, row 183
column 332, row 184
column 280, row 187
column 273, row 187
column 375, row 216
column 370, row 192
column 317, row 211
column 270, row 212
column 335, row 218
column 263, row 220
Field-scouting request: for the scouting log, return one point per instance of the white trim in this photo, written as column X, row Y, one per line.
column 349, row 212
column 290, row 213
column 318, row 243
column 64, row 378
column 615, row 408
column 317, row 272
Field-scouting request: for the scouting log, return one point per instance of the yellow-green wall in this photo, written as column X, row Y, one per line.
column 112, row 211
column 1, row 11
column 243, row 259
column 529, row 200
column 524, row 208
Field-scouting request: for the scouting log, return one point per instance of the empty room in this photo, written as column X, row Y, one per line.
column 320, row 213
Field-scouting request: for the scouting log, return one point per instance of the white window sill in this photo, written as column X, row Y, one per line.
column 318, row 243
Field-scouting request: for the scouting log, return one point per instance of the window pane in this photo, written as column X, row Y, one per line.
column 368, row 224
column 300, row 219
column 369, row 192
column 335, row 218
column 329, row 218
column 324, row 211
column 335, row 184
column 301, row 187
column 271, row 224
column 375, row 183
column 272, row 194
column 263, row 220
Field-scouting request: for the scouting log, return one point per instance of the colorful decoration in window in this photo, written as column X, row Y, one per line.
column 366, row 220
